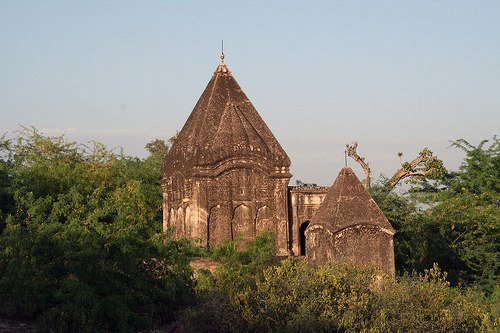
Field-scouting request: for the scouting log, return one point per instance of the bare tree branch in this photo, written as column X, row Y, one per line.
column 352, row 153
column 409, row 169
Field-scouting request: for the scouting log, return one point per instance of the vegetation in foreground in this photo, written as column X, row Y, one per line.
column 81, row 249
column 251, row 293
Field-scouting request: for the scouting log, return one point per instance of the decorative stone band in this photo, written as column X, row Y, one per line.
column 318, row 227
column 238, row 163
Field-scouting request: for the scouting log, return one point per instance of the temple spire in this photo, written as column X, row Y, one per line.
column 222, row 53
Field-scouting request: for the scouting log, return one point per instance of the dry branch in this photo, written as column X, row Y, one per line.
column 409, row 169
column 352, row 153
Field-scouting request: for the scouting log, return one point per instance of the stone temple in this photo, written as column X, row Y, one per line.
column 350, row 226
column 227, row 177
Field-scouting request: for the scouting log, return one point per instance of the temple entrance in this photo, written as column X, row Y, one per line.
column 302, row 237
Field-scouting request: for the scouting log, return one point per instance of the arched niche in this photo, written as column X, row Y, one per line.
column 180, row 223
column 171, row 218
column 217, row 230
column 242, row 223
column 178, row 186
column 187, row 222
column 263, row 220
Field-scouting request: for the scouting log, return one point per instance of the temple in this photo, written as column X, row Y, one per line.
column 227, row 177
column 349, row 226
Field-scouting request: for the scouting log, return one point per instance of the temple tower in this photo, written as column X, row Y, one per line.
column 349, row 226
column 226, row 175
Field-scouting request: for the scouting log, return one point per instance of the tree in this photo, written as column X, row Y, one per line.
column 6, row 195
column 424, row 166
column 352, row 151
column 480, row 171
column 158, row 147
column 466, row 216
column 82, row 249
column 456, row 224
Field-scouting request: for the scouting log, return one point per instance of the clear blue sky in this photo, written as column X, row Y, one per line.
column 394, row 75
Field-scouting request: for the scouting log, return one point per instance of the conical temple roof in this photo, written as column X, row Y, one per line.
column 348, row 203
column 224, row 124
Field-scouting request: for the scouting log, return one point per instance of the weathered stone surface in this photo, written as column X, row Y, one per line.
column 349, row 226
column 226, row 175
column 304, row 201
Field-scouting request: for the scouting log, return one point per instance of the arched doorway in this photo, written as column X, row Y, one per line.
column 302, row 237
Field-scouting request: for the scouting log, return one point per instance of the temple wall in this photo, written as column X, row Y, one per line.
column 239, row 204
column 303, row 203
column 360, row 244
column 236, row 204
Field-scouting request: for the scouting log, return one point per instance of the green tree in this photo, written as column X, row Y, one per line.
column 467, row 216
column 480, row 171
column 402, row 213
column 454, row 223
column 82, row 247
column 6, row 196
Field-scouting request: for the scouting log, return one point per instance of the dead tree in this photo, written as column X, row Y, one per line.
column 420, row 166
column 351, row 150
column 425, row 164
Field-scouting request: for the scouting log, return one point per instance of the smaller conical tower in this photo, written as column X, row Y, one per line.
column 349, row 226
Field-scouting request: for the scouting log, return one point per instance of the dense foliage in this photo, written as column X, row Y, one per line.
column 455, row 223
column 80, row 246
column 251, row 293
column 81, row 249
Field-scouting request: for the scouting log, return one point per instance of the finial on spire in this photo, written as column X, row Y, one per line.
column 222, row 68
column 222, row 53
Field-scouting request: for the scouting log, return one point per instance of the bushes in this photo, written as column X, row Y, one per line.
column 83, row 278
column 79, row 242
column 294, row 297
column 427, row 303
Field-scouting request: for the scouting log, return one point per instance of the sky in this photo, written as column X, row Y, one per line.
column 396, row 76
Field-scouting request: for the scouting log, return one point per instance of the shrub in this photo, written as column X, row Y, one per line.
column 294, row 297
